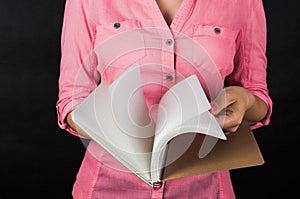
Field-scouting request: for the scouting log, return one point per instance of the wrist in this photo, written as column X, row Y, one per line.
column 251, row 99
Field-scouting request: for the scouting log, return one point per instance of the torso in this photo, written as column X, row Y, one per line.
column 169, row 9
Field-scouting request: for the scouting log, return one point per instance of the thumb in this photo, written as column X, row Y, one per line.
column 214, row 108
column 218, row 104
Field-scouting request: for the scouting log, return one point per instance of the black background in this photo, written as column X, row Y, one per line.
column 39, row 160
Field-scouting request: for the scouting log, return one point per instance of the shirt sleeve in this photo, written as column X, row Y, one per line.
column 250, row 61
column 78, row 74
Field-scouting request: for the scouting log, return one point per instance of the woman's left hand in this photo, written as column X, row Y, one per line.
column 230, row 107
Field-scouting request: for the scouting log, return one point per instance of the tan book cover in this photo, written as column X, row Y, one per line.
column 238, row 151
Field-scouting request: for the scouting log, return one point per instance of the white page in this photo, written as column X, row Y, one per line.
column 102, row 116
column 128, row 104
column 183, row 106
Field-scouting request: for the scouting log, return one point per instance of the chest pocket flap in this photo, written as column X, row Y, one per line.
column 219, row 43
column 119, row 44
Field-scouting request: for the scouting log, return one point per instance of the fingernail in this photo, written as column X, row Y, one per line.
column 213, row 107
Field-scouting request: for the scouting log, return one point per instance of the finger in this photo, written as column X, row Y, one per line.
column 221, row 119
column 220, row 103
column 229, row 120
column 231, row 130
column 227, row 133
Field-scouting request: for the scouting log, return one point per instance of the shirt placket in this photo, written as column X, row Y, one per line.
column 167, row 60
column 158, row 192
column 168, row 64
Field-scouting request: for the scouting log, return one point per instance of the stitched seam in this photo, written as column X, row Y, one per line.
column 91, row 56
column 221, row 186
column 93, row 183
column 245, row 57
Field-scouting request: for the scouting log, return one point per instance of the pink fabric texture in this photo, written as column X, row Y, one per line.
column 222, row 41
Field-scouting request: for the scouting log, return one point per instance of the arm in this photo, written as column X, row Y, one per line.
column 246, row 99
column 78, row 74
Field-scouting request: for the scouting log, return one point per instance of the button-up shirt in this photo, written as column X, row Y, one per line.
column 223, row 42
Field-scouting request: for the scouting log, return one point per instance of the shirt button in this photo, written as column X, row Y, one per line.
column 169, row 77
column 117, row 25
column 217, row 30
column 169, row 42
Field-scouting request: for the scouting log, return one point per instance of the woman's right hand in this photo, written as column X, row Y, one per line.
column 76, row 128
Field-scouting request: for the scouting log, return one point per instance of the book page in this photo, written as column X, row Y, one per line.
column 184, row 109
column 124, row 130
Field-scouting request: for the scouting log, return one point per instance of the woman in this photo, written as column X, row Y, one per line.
column 100, row 39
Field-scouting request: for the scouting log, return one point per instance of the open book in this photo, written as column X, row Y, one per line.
column 184, row 140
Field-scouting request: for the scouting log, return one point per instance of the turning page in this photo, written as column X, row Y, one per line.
column 184, row 109
column 116, row 117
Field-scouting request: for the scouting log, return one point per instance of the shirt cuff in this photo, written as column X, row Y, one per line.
column 61, row 119
column 269, row 104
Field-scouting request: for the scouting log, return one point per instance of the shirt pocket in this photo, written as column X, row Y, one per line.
column 117, row 46
column 219, row 44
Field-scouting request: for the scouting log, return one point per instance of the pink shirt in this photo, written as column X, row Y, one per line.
column 223, row 42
